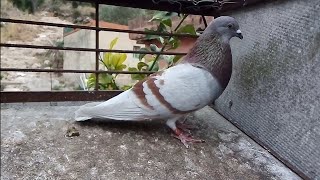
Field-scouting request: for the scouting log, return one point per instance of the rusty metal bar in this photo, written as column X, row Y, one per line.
column 18, row 21
column 208, row 8
column 86, row 49
column 74, row 71
column 96, row 87
column 204, row 21
column 53, row 96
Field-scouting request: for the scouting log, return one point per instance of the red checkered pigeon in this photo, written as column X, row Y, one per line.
column 193, row 83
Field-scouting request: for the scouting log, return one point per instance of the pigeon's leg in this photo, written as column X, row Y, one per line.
column 181, row 135
column 183, row 125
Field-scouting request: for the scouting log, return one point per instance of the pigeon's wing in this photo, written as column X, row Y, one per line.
column 175, row 91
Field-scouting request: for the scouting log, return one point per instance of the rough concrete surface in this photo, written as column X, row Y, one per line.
column 274, row 91
column 34, row 146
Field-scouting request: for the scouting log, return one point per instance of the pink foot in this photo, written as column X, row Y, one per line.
column 185, row 138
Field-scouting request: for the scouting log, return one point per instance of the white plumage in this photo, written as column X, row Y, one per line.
column 185, row 87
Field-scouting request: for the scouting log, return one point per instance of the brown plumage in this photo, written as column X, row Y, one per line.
column 215, row 55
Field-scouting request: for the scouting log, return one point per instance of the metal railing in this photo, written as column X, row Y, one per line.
column 96, row 94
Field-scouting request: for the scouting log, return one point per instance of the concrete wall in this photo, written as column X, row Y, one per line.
column 274, row 93
column 86, row 60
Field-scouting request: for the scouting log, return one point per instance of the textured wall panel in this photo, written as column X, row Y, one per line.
column 274, row 93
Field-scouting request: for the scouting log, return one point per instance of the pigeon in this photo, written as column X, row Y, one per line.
column 196, row 81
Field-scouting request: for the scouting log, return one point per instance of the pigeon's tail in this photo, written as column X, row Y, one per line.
column 82, row 113
column 120, row 107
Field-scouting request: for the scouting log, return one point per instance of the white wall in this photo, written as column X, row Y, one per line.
column 86, row 60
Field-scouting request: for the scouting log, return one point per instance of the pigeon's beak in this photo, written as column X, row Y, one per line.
column 239, row 34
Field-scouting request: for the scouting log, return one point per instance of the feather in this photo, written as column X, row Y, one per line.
column 120, row 107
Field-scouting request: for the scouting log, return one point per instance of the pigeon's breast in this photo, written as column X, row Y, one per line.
column 212, row 87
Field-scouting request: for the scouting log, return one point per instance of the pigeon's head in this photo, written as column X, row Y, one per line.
column 226, row 26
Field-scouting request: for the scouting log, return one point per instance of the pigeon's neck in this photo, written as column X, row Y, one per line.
column 215, row 54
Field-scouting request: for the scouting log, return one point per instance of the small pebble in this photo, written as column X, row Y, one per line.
column 71, row 132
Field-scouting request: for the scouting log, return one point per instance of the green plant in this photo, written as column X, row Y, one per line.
column 165, row 26
column 113, row 62
column 168, row 42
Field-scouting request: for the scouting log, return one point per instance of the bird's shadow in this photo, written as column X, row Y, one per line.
column 125, row 126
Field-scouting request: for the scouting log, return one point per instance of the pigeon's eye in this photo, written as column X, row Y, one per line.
column 230, row 26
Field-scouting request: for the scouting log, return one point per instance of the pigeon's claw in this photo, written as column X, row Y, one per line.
column 186, row 138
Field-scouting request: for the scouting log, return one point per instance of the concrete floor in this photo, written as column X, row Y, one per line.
column 34, row 146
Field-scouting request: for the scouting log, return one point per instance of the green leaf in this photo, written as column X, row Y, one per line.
column 154, row 48
column 187, row 29
column 136, row 76
column 177, row 58
column 106, row 59
column 91, row 80
column 105, row 79
column 132, row 69
column 113, row 42
column 140, row 65
column 149, row 36
column 126, row 87
column 157, row 17
column 161, row 39
column 120, row 60
column 116, row 61
column 155, row 67
column 167, row 22
column 142, row 55
column 174, row 42
column 160, row 16
column 121, row 67
column 171, row 60
column 162, row 28
column 113, row 60
column 123, row 58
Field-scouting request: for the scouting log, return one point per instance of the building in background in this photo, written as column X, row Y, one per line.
column 83, row 38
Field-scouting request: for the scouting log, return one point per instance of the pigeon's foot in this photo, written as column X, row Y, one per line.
column 186, row 138
column 185, row 126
